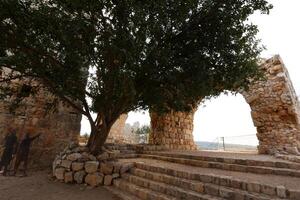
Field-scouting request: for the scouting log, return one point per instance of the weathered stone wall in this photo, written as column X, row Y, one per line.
column 57, row 128
column 173, row 130
column 275, row 113
column 116, row 134
column 275, row 108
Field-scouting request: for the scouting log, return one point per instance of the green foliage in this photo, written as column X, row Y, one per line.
column 130, row 54
column 143, row 133
column 144, row 130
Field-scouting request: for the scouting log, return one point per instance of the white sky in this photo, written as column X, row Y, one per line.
column 230, row 115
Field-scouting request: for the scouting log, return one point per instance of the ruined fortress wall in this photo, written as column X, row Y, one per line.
column 274, row 108
column 116, row 134
column 173, row 130
column 57, row 128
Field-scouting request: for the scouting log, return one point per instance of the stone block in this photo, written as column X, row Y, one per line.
column 108, row 179
column 126, row 167
column 253, row 187
column 226, row 193
column 94, row 179
column 106, row 168
column 211, row 189
column 281, row 191
column 74, row 157
column 79, row 176
column 60, row 173
column 115, row 175
column 103, row 156
column 91, row 166
column 198, row 187
column 269, row 190
column 294, row 194
column 66, row 164
column 117, row 167
column 77, row 166
column 68, row 177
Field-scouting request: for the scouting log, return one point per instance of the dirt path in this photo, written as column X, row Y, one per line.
column 38, row 186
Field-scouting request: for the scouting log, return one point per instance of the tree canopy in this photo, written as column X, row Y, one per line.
column 111, row 57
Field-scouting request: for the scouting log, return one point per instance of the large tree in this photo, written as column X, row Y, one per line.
column 111, row 57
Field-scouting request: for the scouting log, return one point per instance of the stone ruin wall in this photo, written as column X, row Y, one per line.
column 57, row 128
column 274, row 109
column 117, row 132
column 274, row 105
column 173, row 130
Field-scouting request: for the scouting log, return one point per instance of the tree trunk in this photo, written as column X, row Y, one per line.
column 97, row 140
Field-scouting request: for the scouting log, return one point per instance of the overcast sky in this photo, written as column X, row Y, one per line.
column 230, row 115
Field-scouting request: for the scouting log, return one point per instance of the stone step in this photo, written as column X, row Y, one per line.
column 226, row 166
column 199, row 187
column 278, row 188
column 124, row 155
column 140, row 192
column 120, row 193
column 128, row 151
column 167, row 189
column 275, row 163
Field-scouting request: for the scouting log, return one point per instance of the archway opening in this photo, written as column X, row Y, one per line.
column 225, row 123
column 137, row 127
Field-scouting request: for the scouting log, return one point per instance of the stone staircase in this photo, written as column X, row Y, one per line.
column 160, row 175
column 276, row 167
column 154, row 179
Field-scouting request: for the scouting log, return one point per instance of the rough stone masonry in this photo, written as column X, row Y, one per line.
column 274, row 105
column 274, row 108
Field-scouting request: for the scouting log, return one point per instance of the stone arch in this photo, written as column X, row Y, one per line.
column 274, row 110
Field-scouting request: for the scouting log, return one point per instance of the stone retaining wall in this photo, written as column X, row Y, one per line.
column 76, row 165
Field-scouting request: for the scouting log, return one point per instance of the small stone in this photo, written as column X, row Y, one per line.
column 103, row 156
column 59, row 173
column 126, row 167
column 269, row 190
column 94, row 179
column 91, row 166
column 92, row 157
column 117, row 167
column 198, row 187
column 281, row 191
column 66, row 164
column 115, row 175
column 73, row 145
column 77, row 166
column 253, row 187
column 68, row 177
column 74, row 156
column 106, row 168
column 85, row 156
column 108, row 179
column 79, row 176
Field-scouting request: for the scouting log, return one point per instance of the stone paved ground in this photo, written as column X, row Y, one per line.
column 38, row 186
column 251, row 155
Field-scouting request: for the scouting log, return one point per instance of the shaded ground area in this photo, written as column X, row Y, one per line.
column 39, row 186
